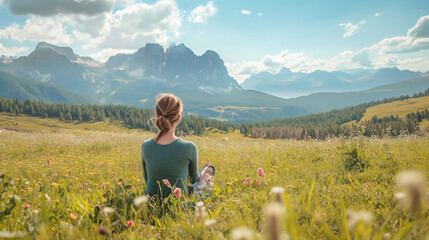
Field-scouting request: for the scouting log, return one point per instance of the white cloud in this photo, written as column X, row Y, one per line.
column 38, row 29
column 201, row 13
column 350, row 28
column 259, row 14
column 141, row 23
column 379, row 55
column 12, row 51
column 417, row 39
column 246, row 12
column 378, row 14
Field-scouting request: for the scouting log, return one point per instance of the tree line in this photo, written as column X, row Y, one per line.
column 316, row 126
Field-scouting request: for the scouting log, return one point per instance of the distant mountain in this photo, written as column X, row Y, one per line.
column 15, row 87
column 57, row 65
column 290, row 84
column 135, row 79
column 321, row 102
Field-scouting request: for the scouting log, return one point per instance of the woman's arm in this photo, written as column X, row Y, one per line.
column 193, row 163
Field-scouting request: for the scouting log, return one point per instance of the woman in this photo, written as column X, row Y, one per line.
column 167, row 157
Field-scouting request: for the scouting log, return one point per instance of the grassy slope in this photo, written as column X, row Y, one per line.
column 28, row 123
column 400, row 108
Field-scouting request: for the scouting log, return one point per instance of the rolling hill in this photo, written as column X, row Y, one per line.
column 21, row 88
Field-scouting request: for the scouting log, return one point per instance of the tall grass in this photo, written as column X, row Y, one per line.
column 81, row 184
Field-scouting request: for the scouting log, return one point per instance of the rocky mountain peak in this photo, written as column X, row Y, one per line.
column 65, row 51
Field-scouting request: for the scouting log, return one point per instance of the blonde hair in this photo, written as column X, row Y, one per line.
column 167, row 111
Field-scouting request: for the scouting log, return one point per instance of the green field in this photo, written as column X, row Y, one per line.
column 64, row 177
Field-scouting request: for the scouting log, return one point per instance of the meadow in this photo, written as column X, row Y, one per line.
column 82, row 184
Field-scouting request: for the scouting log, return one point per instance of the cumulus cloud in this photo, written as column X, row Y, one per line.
column 37, row 29
column 378, row 14
column 201, row 13
column 417, row 39
column 11, row 51
column 246, row 12
column 379, row 55
column 259, row 14
column 54, row 7
column 128, row 28
column 140, row 23
column 350, row 28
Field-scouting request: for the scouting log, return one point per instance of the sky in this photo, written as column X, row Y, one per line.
column 249, row 35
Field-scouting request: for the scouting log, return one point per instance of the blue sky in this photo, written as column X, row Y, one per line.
column 249, row 35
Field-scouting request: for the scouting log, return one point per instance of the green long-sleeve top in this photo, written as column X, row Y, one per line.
column 175, row 162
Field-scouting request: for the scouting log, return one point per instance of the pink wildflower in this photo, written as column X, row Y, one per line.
column 56, row 175
column 209, row 179
column 166, row 182
column 261, row 172
column 245, row 183
column 27, row 205
column 130, row 223
column 48, row 162
column 247, row 179
column 70, row 173
column 258, row 182
column 114, row 174
column 178, row 192
column 133, row 188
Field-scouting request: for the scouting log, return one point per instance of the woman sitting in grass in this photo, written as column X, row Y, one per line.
column 168, row 161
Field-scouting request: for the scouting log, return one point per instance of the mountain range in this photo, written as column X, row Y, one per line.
column 288, row 84
column 201, row 81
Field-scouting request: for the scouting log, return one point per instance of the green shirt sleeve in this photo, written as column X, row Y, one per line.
column 193, row 163
column 144, row 168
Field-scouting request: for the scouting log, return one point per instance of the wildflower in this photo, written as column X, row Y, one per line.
column 353, row 218
column 85, row 185
column 260, row 172
column 56, row 175
column 70, row 172
column 72, row 216
column 242, row 233
column 209, row 179
column 273, row 215
column 133, row 188
column 27, row 205
column 104, row 231
column 177, row 192
column 166, row 182
column 247, row 179
column 48, row 162
column 258, row 182
column 130, row 223
column 140, row 201
column 278, row 194
column 114, row 174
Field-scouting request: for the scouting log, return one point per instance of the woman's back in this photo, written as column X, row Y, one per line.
column 174, row 161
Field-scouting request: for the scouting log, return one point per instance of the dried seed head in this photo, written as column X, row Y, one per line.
column 354, row 218
column 103, row 230
column 278, row 194
column 140, row 201
column 273, row 218
column 108, row 211
column 413, row 184
column 210, row 222
column 242, row 233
